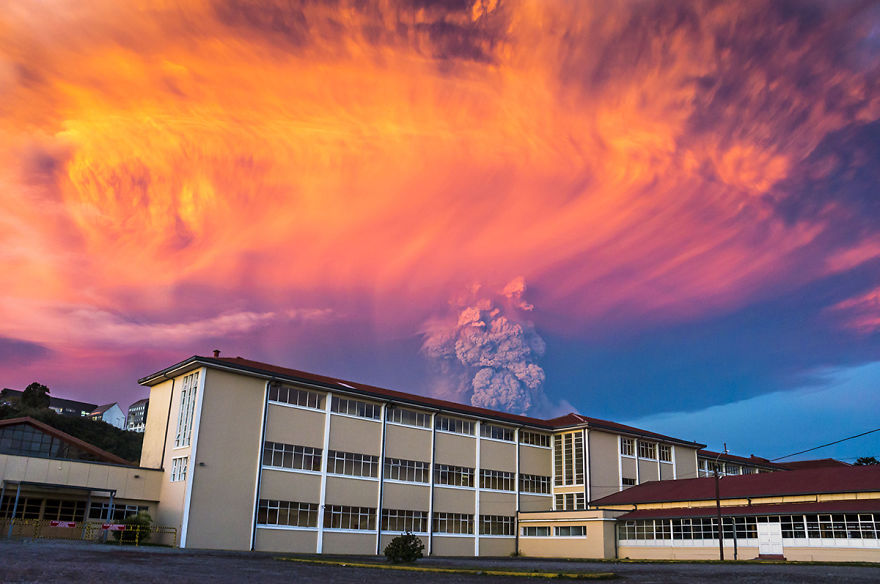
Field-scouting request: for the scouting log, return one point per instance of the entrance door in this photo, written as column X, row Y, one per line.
column 770, row 539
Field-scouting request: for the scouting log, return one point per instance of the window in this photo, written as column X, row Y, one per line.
column 704, row 467
column 627, row 482
column 534, row 484
column 496, row 432
column 455, row 425
column 61, row 510
column 119, row 512
column 290, row 513
column 25, row 440
column 353, row 407
column 352, row 464
column 457, row 476
column 732, row 469
column 412, row 471
column 665, row 453
column 408, row 417
column 627, row 446
column 535, row 439
column 571, row 531
column 453, row 523
column 297, row 397
column 178, row 468
column 402, row 520
column 497, row 480
column 187, row 407
column 536, row 531
column 688, row 529
column 570, row 501
column 497, row 525
column 647, row 450
column 343, row 517
column 280, row 455
column 569, row 458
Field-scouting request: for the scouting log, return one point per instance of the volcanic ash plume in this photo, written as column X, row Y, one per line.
column 487, row 352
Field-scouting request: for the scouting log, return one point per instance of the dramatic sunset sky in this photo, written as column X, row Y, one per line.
column 661, row 213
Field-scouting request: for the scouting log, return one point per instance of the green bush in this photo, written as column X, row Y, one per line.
column 137, row 529
column 404, row 548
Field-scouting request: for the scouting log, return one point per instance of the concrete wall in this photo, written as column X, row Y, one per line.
column 598, row 543
column 155, row 432
column 604, row 476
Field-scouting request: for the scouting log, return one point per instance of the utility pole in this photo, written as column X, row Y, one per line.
column 718, row 506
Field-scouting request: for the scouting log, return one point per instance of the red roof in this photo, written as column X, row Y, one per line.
column 81, row 444
column 817, row 463
column 568, row 420
column 847, row 506
column 795, row 482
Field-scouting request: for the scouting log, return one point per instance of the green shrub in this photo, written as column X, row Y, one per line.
column 404, row 548
column 137, row 529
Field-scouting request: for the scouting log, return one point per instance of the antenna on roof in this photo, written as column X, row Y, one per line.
column 216, row 353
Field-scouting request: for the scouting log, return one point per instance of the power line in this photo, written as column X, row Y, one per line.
column 829, row 444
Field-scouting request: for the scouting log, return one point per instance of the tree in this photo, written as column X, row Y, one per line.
column 35, row 396
column 867, row 461
column 404, row 548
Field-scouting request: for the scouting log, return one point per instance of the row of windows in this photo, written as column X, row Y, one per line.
column 278, row 455
column 297, row 397
column 707, row 468
column 63, row 510
column 179, row 468
column 496, row 432
column 650, row 450
column 831, row 526
column 534, row 439
column 187, row 407
column 354, row 407
column 298, row 514
column 455, row 425
column 409, row 417
column 560, row 531
column 569, row 458
column 24, row 440
column 570, row 502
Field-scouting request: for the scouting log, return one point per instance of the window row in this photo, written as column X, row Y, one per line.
column 455, row 425
column 298, row 397
column 534, row 484
column 413, row 471
column 185, row 413
column 352, row 464
column 707, row 468
column 560, row 531
column 496, row 432
column 355, row 407
column 534, row 438
column 569, row 458
column 457, row 476
column 831, row 526
column 570, row 501
column 498, row 480
column 179, row 468
column 291, row 456
column 649, row 450
column 408, row 417
column 64, row 510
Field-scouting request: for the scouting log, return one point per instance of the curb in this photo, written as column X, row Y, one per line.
column 468, row 571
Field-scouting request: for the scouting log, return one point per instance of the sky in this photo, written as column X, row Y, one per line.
column 661, row 213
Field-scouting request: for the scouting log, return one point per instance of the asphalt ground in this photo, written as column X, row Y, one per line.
column 44, row 561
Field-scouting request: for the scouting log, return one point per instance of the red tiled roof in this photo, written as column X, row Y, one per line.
column 571, row 419
column 795, row 482
column 81, row 444
column 847, row 506
column 817, row 463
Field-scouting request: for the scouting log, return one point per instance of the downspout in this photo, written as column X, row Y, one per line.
column 431, row 498
column 516, row 518
column 260, row 456
column 385, row 408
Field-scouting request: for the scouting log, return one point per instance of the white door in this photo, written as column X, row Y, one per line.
column 770, row 539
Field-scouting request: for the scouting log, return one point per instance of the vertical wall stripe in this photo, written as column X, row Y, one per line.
column 587, row 478
column 323, row 497
column 431, row 489
column 259, row 479
column 384, row 414
column 190, row 477
column 517, row 479
column 620, row 465
column 477, row 496
column 674, row 468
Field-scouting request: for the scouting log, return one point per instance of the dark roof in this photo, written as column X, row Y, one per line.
column 81, row 444
column 795, row 482
column 750, row 461
column 332, row 383
column 817, row 463
column 56, row 402
column 139, row 402
column 846, row 506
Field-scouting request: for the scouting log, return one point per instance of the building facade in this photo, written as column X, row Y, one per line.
column 137, row 416
column 109, row 413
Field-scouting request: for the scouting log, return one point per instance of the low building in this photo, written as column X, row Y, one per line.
column 65, row 407
column 109, row 413
column 730, row 464
column 137, row 416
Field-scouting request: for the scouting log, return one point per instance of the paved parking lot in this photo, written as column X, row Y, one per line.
column 72, row 562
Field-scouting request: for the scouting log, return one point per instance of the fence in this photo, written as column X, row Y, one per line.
column 94, row 531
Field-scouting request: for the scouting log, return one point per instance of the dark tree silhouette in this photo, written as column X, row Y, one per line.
column 35, row 396
column 867, row 461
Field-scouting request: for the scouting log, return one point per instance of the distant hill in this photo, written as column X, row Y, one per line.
column 122, row 443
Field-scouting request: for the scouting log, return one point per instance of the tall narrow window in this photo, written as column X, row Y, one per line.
column 569, row 458
column 187, row 407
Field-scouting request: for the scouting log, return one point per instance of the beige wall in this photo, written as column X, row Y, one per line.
column 349, row 543
column 286, row 540
column 295, row 426
column 452, row 546
column 222, row 504
column 407, row 443
column 648, row 471
column 598, row 543
column 666, row 471
column 493, row 503
column 353, row 435
column 685, row 462
column 411, row 497
column 535, row 503
column 684, row 553
column 457, row 450
column 603, row 464
column 155, row 431
column 497, row 546
column 497, row 455
column 535, row 461
column 453, row 500
column 353, row 492
column 290, row 486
